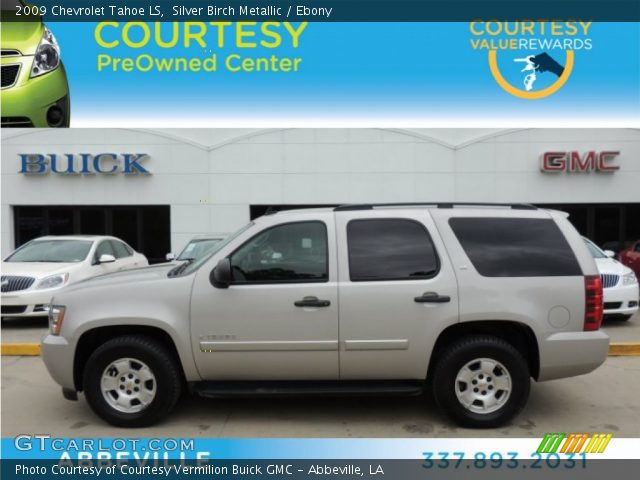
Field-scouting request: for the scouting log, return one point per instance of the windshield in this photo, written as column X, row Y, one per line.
column 198, row 248
column 595, row 251
column 52, row 251
column 187, row 268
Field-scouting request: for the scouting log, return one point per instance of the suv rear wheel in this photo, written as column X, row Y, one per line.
column 481, row 382
column 132, row 381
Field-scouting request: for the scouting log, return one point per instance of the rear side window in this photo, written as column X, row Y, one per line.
column 516, row 247
column 390, row 249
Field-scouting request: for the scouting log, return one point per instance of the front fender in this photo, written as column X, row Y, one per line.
column 163, row 304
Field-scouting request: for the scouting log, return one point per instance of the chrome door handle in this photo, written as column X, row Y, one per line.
column 312, row 302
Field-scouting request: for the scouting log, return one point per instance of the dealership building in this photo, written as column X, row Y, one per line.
column 157, row 188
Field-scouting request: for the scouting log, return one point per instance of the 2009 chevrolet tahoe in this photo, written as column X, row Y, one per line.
column 470, row 301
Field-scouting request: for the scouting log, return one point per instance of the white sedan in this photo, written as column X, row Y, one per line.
column 33, row 273
column 620, row 285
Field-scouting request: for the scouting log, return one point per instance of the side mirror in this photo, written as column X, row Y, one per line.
column 610, row 253
column 220, row 277
column 106, row 258
column 170, row 257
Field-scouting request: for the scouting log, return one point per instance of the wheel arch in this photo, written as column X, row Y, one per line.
column 518, row 334
column 90, row 340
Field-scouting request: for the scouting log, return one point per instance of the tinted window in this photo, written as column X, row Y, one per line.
column 120, row 249
column 390, row 249
column 515, row 247
column 104, row 248
column 294, row 252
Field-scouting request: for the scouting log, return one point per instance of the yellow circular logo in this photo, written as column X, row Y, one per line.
column 528, row 95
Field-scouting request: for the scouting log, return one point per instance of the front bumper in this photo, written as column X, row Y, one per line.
column 57, row 355
column 28, row 100
column 26, row 304
column 621, row 300
column 567, row 354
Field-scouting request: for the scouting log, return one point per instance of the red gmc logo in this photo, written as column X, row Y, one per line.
column 554, row 162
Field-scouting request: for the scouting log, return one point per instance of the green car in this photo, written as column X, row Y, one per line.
column 35, row 92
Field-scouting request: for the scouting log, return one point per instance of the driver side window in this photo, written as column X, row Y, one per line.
column 120, row 249
column 104, row 248
column 289, row 253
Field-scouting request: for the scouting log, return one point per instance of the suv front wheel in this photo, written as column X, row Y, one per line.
column 481, row 382
column 132, row 381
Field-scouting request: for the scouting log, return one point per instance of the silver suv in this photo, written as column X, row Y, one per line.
column 470, row 301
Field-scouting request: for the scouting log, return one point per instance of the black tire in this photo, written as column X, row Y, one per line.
column 459, row 354
column 160, row 361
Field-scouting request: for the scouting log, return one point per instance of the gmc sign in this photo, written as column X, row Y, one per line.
column 554, row 162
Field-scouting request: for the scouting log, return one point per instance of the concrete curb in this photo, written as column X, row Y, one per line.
column 618, row 349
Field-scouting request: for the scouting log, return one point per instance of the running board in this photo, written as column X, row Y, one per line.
column 225, row 389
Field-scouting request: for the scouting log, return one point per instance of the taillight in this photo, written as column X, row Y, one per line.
column 593, row 302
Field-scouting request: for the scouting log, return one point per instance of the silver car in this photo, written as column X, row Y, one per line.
column 373, row 299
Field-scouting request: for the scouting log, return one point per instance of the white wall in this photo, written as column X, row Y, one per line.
column 210, row 185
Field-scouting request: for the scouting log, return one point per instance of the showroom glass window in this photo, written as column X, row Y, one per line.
column 390, row 249
column 515, row 247
column 289, row 253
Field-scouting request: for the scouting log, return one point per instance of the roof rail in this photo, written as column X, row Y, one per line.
column 371, row 206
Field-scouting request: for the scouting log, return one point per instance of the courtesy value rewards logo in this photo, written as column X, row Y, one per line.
column 531, row 59
column 574, row 443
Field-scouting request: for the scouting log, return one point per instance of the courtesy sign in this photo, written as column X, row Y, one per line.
column 207, row 38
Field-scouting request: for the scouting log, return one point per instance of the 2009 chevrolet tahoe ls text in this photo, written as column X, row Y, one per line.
column 470, row 301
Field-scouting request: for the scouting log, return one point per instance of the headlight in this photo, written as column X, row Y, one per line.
column 53, row 281
column 56, row 317
column 629, row 278
column 47, row 55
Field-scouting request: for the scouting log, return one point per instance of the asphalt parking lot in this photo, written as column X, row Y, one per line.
column 605, row 400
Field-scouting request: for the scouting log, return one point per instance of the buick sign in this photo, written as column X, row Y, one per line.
column 83, row 163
